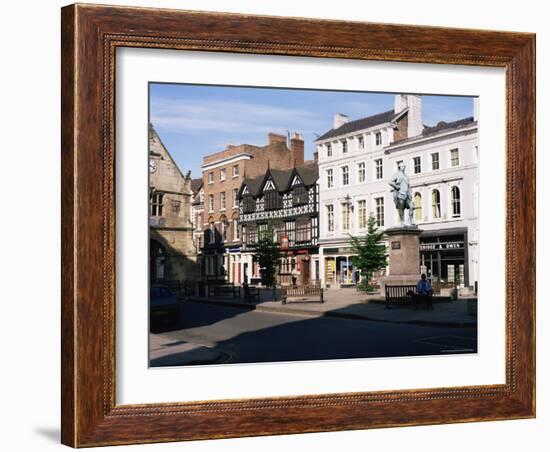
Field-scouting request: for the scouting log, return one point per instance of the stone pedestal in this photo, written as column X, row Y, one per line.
column 404, row 257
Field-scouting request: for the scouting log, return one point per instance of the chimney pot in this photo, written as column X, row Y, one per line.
column 297, row 148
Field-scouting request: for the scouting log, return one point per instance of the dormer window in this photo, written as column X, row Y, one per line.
column 272, row 199
column 249, row 203
column 299, row 195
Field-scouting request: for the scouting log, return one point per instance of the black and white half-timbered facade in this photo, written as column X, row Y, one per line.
column 285, row 201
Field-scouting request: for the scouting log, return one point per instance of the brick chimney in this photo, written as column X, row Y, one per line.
column 276, row 138
column 297, row 148
column 414, row 103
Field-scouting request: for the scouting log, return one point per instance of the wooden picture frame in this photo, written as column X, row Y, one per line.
column 90, row 36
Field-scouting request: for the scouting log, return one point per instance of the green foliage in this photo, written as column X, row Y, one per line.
column 370, row 253
column 266, row 251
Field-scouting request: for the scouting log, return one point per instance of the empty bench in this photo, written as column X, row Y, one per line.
column 302, row 291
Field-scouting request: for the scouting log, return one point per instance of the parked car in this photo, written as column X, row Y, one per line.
column 164, row 309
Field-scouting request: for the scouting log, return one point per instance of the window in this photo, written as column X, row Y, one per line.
column 330, row 178
column 344, row 146
column 361, row 172
column 235, row 170
column 262, row 231
column 299, row 195
column 435, row 161
column 454, row 157
column 379, row 211
column 223, row 229
column 245, row 234
column 345, row 175
column 418, row 206
column 210, row 178
column 235, row 197
column 455, row 201
column 436, row 204
column 249, row 203
column 222, row 200
column 345, row 216
column 235, row 229
column 361, row 142
column 303, row 230
column 417, row 165
column 272, row 200
column 378, row 137
column 329, row 150
column 156, row 200
column 212, row 231
column 290, row 231
column 211, row 203
column 379, row 169
column 222, row 174
column 330, row 218
column 362, row 211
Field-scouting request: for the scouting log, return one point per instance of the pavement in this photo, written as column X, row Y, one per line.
column 165, row 351
column 353, row 304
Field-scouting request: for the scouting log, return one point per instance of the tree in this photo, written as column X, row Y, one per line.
column 370, row 253
column 266, row 252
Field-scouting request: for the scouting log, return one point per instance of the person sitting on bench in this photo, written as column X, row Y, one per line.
column 424, row 292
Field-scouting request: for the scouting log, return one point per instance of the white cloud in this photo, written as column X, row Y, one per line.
column 228, row 116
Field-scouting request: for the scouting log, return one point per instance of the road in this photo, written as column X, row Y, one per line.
column 240, row 336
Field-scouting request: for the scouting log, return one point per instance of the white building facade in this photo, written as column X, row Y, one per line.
column 358, row 158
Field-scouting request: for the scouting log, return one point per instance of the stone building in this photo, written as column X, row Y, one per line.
column 223, row 174
column 358, row 158
column 287, row 201
column 171, row 251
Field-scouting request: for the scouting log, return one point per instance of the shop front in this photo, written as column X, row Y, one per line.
column 338, row 266
column 444, row 256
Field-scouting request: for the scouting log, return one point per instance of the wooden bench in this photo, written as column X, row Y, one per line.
column 302, row 291
column 400, row 295
column 218, row 290
column 406, row 295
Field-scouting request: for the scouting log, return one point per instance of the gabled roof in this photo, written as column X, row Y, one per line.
column 196, row 184
column 360, row 124
column 442, row 125
column 282, row 179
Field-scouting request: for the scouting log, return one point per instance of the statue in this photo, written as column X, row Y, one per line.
column 402, row 196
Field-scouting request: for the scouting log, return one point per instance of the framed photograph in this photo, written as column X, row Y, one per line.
column 282, row 225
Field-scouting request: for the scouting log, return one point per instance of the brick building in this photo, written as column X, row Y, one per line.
column 223, row 175
column 171, row 251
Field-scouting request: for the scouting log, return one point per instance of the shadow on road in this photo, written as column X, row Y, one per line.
column 295, row 338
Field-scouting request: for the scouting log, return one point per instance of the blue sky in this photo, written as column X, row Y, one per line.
column 196, row 120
